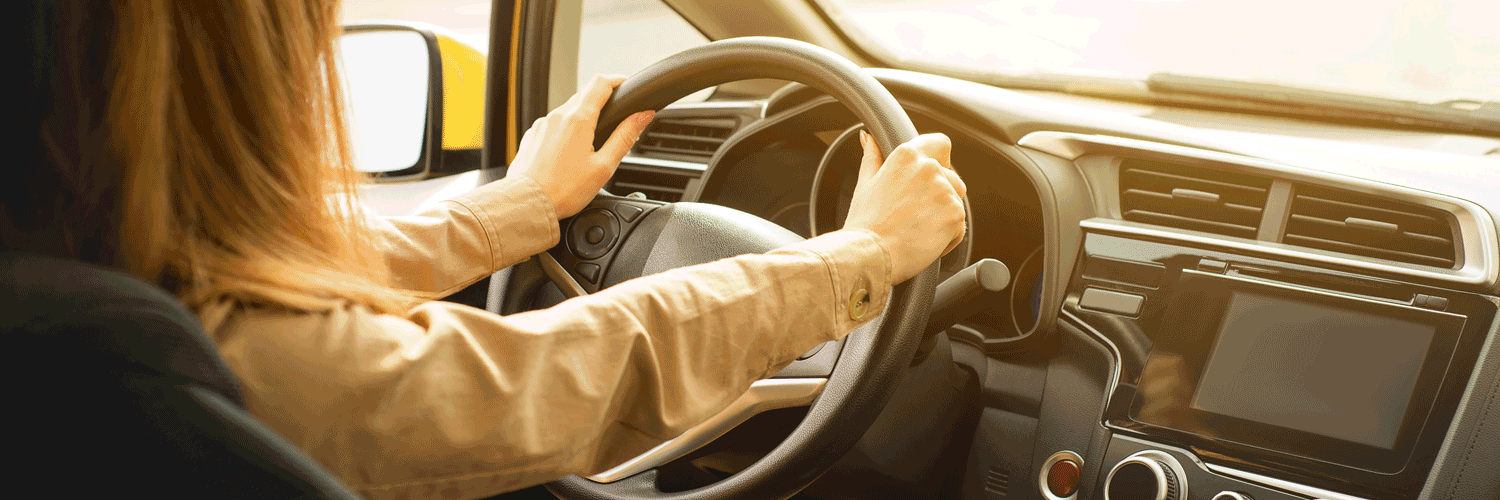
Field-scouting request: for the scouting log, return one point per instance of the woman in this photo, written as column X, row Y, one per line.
column 197, row 145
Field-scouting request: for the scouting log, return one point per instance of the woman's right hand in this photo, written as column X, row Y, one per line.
column 913, row 200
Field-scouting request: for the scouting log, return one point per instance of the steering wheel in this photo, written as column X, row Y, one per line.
column 632, row 238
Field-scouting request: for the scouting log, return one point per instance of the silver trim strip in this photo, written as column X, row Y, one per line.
column 764, row 395
column 560, row 276
column 658, row 162
column 1280, row 484
column 1481, row 251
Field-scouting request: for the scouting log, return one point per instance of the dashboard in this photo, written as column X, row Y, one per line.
column 1203, row 306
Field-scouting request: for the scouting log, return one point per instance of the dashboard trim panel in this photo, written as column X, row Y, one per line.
column 1300, row 489
column 1481, row 252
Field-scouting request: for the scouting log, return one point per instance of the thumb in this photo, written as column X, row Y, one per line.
column 871, row 161
column 625, row 135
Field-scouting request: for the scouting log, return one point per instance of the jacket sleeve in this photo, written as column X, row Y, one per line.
column 455, row 402
column 442, row 249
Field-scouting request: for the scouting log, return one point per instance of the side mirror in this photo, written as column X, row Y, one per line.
column 413, row 100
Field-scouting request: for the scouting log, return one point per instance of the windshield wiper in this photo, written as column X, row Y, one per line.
column 1260, row 98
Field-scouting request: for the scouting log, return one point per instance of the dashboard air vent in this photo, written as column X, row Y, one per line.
column 1371, row 226
column 660, row 184
column 686, row 139
column 1198, row 199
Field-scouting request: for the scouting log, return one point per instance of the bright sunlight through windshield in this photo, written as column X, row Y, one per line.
column 1421, row 50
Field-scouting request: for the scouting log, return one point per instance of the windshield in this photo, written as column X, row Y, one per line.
column 1418, row 50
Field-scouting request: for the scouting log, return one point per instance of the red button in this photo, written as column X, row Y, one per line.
column 1062, row 478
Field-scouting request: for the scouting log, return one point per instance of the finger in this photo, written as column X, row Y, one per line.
column 962, row 230
column 624, row 137
column 533, row 135
column 958, row 183
column 937, row 146
column 955, row 243
column 870, row 162
column 592, row 99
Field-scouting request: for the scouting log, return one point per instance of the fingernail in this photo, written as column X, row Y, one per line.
column 864, row 137
column 646, row 116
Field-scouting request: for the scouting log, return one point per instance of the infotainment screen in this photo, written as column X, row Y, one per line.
column 1320, row 375
column 1326, row 370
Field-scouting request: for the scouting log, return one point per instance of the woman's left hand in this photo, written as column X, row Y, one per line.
column 558, row 151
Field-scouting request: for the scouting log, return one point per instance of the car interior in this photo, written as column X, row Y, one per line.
column 1174, row 287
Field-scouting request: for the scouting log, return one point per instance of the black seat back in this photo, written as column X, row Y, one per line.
column 114, row 388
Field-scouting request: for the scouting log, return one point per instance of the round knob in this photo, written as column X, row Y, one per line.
column 1231, row 495
column 1145, row 476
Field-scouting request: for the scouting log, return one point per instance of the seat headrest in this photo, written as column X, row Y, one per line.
column 86, row 317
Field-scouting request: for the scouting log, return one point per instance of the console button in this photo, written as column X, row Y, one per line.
column 1060, row 475
column 1062, row 478
column 1145, row 274
column 1148, row 475
column 1430, row 302
column 1213, row 266
column 1231, row 495
column 588, row 270
column 1110, row 301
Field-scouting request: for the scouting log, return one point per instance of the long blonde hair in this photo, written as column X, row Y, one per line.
column 222, row 119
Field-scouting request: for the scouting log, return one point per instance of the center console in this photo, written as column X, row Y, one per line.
column 1244, row 377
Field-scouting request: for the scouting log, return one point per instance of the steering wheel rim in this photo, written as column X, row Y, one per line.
column 870, row 366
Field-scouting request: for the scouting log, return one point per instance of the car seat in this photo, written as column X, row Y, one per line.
column 114, row 388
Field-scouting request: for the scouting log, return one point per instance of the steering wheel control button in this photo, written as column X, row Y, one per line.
column 628, row 212
column 1060, row 475
column 588, row 270
column 1147, row 475
column 593, row 233
column 1110, row 301
column 859, row 304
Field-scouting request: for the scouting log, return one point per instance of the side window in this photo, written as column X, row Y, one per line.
column 624, row 36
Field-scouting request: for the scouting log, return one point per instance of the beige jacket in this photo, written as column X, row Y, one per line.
column 449, row 401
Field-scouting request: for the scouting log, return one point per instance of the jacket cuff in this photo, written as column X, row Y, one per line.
column 517, row 216
column 860, row 268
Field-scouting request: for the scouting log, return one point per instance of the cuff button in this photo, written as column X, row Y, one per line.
column 859, row 304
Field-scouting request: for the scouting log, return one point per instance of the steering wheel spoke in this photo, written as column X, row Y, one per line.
column 763, row 396
column 848, row 382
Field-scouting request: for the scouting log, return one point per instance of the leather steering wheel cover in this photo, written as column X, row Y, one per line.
column 871, row 365
column 752, row 57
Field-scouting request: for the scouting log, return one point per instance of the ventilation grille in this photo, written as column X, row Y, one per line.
column 686, row 139
column 1198, row 199
column 997, row 481
column 1371, row 226
column 660, row 184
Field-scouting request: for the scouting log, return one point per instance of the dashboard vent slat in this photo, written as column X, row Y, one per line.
column 686, row 139
column 660, row 184
column 1198, row 199
column 1371, row 226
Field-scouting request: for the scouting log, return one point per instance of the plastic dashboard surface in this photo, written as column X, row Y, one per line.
column 1039, row 399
